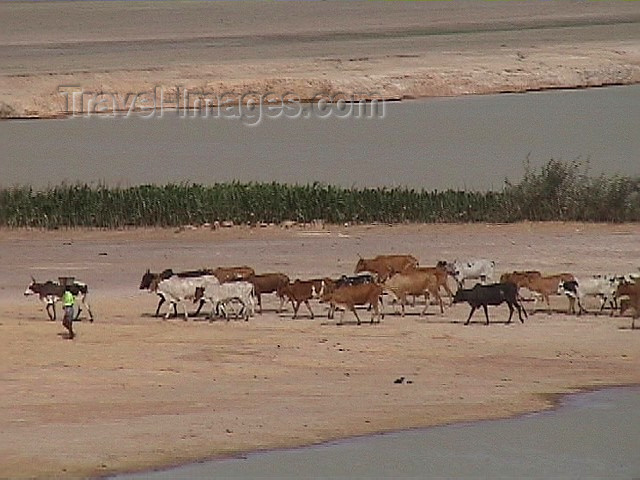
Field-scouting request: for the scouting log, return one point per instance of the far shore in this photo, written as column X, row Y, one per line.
column 395, row 51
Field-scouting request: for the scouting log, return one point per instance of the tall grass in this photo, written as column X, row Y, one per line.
column 557, row 191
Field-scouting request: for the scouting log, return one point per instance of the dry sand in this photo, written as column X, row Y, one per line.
column 393, row 49
column 134, row 392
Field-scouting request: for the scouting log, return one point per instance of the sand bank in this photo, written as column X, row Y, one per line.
column 133, row 392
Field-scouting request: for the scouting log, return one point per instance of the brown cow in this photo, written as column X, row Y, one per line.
column 441, row 274
column 386, row 265
column 631, row 290
column 269, row 283
column 414, row 282
column 349, row 296
column 519, row 277
column 546, row 286
column 230, row 274
column 302, row 291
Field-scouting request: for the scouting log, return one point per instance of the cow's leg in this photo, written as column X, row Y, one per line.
column 486, row 312
column 376, row 311
column 88, row 307
column 473, row 309
column 581, row 309
column 438, row 298
column 426, row 304
column 353, row 309
column 306, row 302
column 282, row 300
column 613, row 304
column 162, row 300
column 52, row 317
column 510, row 311
column 184, row 306
column 259, row 297
column 222, row 310
column 166, row 317
column 449, row 292
column 520, row 310
column 332, row 310
column 197, row 312
column 603, row 302
column 244, row 310
column 213, row 311
column 296, row 306
column 403, row 302
column 545, row 297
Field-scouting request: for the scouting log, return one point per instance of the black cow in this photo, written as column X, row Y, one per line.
column 50, row 292
column 354, row 280
column 494, row 294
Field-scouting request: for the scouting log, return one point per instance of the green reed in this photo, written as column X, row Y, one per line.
column 557, row 191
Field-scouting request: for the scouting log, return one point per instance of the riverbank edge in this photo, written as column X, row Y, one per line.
column 401, row 87
column 550, row 402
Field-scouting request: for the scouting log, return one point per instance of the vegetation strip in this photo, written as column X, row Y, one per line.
column 558, row 191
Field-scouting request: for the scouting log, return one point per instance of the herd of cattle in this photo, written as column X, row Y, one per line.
column 239, row 290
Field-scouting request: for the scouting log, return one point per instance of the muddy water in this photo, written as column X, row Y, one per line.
column 592, row 435
column 470, row 142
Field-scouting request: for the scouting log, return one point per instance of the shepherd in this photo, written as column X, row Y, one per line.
column 68, row 302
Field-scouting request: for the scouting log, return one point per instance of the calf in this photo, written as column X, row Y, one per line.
column 220, row 295
column 480, row 269
column 386, row 265
column 301, row 292
column 269, row 283
column 414, row 282
column 348, row 296
column 50, row 292
column 494, row 294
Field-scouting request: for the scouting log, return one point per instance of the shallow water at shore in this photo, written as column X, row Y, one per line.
column 590, row 435
column 470, row 142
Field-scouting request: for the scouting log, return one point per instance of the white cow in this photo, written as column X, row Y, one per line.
column 602, row 287
column 480, row 269
column 178, row 289
column 220, row 295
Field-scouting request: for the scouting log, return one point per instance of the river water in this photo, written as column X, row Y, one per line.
column 468, row 142
column 591, row 435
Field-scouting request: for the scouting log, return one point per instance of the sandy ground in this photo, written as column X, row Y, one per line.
column 393, row 50
column 133, row 392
